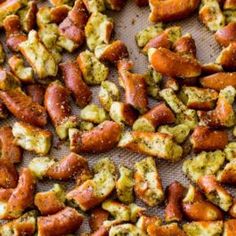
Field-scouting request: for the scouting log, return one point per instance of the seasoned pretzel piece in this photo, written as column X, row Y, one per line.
column 8, row 81
column 2, row 54
column 94, row 72
column 59, row 13
column 134, row 85
column 108, row 93
column 38, row 56
column 211, row 68
column 102, row 138
column 57, row 104
column 197, row 228
column 215, row 193
column 164, row 39
column 23, row 107
column 170, row 82
column 141, row 3
column 174, row 65
column 125, row 185
column 175, row 194
column 3, row 111
column 158, row 115
column 112, row 53
column 115, row 5
column 229, row 227
column 123, row 113
column 223, row 115
column 195, row 207
column 28, row 16
column 227, row 57
column 94, row 191
column 32, row 138
column 226, row 35
column 25, row 74
column 145, row 221
column 94, row 6
column 22, row 196
column 97, row 217
column 219, row 80
column 147, row 182
column 64, row 222
column 24, row 225
column 211, row 15
column 228, row 174
column 36, row 92
column 98, row 30
column 69, row 167
column 165, row 230
column 185, row 46
column 126, row 229
column 72, row 77
column 229, row 5
column 205, row 163
column 9, row 7
column 154, row 144
column 61, row 2
column 171, row 10
column 72, row 26
column 13, row 31
column 9, row 175
column 10, row 152
column 206, row 139
column 50, row 202
column 198, row 98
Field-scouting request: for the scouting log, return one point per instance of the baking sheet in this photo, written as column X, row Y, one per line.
column 128, row 22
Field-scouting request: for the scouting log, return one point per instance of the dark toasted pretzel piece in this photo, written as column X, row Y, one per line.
column 36, row 92
column 135, row 86
column 174, row 65
column 72, row 77
column 226, row 35
column 62, row 223
column 14, row 34
column 141, row 3
column 69, row 167
column 23, row 107
column 219, row 80
column 171, row 10
column 206, row 139
column 59, row 13
column 3, row 111
column 197, row 208
column 10, row 152
column 175, row 194
column 102, row 138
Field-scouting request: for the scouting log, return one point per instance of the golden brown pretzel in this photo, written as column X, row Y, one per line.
column 97, row 217
column 23, row 107
column 9, row 175
column 206, row 139
column 62, row 223
column 226, row 35
column 102, row 138
column 72, row 77
column 174, row 65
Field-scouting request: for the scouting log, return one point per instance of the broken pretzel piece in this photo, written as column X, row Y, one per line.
column 57, row 103
column 102, row 138
column 226, row 35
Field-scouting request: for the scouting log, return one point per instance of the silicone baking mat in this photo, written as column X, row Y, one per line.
column 128, row 22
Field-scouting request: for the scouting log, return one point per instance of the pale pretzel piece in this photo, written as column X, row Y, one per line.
column 175, row 194
column 102, row 138
column 171, row 10
column 72, row 77
column 174, row 65
column 195, row 207
column 32, row 138
column 57, row 104
column 206, row 139
column 124, row 229
column 63, row 222
column 23, row 107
